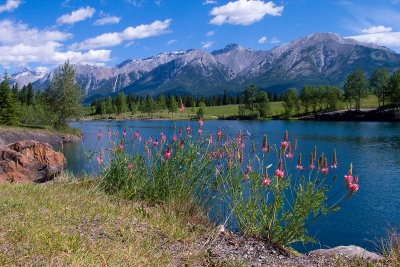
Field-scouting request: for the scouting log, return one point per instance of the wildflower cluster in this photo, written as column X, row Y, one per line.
column 234, row 172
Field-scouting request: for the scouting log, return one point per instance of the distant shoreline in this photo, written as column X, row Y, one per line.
column 377, row 115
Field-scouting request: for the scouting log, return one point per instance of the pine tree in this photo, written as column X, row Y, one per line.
column 8, row 105
column 30, row 97
column 120, row 103
column 173, row 105
column 64, row 95
column 23, row 94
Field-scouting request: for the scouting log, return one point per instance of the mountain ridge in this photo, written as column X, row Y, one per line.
column 318, row 58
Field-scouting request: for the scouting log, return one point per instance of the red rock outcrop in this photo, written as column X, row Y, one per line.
column 29, row 161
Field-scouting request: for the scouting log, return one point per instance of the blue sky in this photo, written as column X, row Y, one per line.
column 43, row 34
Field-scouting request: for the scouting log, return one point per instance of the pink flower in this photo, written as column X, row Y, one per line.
column 121, row 146
column 242, row 145
column 136, row 134
column 264, row 147
column 182, row 107
column 163, row 138
column 348, row 179
column 174, row 138
column 155, row 143
column 265, row 182
column 200, row 131
column 99, row 135
column 109, row 132
column 130, row 166
column 286, row 136
column 180, row 131
column 334, row 161
column 150, row 139
column 219, row 134
column 200, row 122
column 168, row 153
column 210, row 140
column 239, row 137
column 284, row 144
column 124, row 133
column 353, row 188
column 324, row 168
column 182, row 144
column 279, row 172
column 299, row 166
column 140, row 139
column 188, row 128
column 289, row 155
column 311, row 165
column 100, row 158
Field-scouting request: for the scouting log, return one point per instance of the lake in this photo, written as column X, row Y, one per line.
column 372, row 147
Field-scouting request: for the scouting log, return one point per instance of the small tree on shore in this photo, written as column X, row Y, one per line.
column 394, row 89
column 172, row 105
column 291, row 101
column 379, row 82
column 64, row 95
column 355, row 88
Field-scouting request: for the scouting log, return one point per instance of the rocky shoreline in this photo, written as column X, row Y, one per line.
column 12, row 135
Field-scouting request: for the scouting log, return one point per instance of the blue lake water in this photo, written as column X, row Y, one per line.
column 372, row 147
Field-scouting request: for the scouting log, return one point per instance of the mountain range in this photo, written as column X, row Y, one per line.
column 319, row 58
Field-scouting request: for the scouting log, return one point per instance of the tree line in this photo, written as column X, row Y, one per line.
column 147, row 104
column 382, row 83
column 54, row 106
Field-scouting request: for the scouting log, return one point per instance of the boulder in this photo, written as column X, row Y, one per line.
column 349, row 252
column 29, row 161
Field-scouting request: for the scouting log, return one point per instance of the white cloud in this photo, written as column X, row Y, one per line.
column 10, row 5
column 20, row 45
column 377, row 29
column 209, row 2
column 210, row 33
column 207, row 45
column 379, row 35
column 107, row 20
column 131, row 33
column 171, row 42
column 275, row 40
column 77, row 15
column 21, row 54
column 262, row 40
column 13, row 33
column 244, row 12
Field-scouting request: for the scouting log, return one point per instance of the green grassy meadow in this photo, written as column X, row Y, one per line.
column 74, row 223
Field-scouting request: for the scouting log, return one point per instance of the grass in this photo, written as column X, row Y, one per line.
column 75, row 224
column 214, row 112
column 211, row 113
